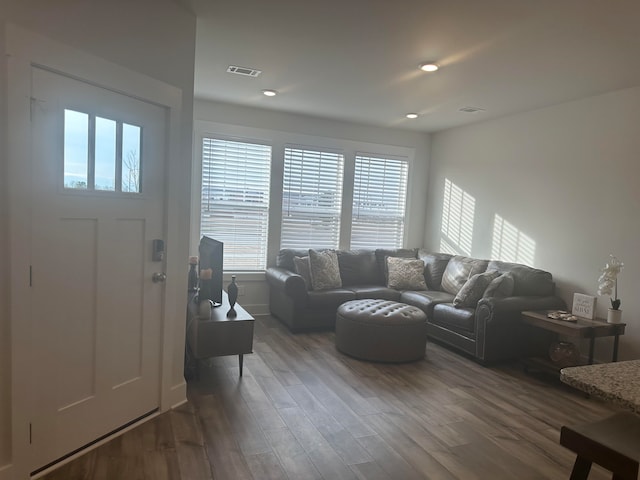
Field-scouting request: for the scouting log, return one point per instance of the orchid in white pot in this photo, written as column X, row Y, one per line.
column 608, row 281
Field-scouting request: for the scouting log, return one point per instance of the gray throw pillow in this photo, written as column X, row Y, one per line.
column 501, row 286
column 405, row 273
column 325, row 271
column 302, row 268
column 473, row 289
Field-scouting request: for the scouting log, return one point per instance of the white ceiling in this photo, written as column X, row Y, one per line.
column 357, row 60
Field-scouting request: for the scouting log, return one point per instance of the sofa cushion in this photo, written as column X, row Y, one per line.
column 383, row 253
column 426, row 300
column 375, row 291
column 460, row 320
column 329, row 299
column 459, row 270
column 528, row 281
column 303, row 269
column 405, row 273
column 501, row 286
column 434, row 266
column 473, row 289
column 359, row 267
column 325, row 272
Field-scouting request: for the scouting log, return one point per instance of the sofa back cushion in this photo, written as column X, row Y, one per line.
column 528, row 281
column 434, row 267
column 459, row 270
column 359, row 267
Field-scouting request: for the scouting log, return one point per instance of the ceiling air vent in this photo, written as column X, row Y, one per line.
column 471, row 109
column 247, row 72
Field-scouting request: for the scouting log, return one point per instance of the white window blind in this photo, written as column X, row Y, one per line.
column 235, row 200
column 311, row 198
column 379, row 198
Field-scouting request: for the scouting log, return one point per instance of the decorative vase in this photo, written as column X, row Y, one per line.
column 564, row 354
column 614, row 316
column 232, row 292
column 193, row 274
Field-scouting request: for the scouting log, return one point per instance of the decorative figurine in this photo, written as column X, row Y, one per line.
column 232, row 292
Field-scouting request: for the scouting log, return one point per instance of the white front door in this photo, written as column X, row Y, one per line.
column 98, row 204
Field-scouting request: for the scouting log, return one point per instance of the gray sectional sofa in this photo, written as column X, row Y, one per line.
column 472, row 305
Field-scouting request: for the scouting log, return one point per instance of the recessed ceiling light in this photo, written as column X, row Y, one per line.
column 411, row 115
column 429, row 67
column 269, row 93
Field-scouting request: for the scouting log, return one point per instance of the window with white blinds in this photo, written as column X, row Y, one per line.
column 379, row 198
column 311, row 198
column 235, row 200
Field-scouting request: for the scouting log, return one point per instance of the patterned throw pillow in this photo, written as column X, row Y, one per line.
column 405, row 273
column 303, row 269
column 325, row 271
column 473, row 289
column 501, row 286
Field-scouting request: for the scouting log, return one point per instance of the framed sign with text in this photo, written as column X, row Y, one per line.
column 584, row 305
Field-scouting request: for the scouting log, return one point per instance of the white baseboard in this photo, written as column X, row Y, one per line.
column 177, row 395
column 5, row 472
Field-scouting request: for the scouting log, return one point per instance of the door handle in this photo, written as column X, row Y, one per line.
column 159, row 277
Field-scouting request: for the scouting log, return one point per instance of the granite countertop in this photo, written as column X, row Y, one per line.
column 617, row 382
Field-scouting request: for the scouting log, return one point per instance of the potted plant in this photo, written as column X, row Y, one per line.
column 608, row 285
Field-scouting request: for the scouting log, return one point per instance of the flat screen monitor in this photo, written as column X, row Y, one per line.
column 210, row 270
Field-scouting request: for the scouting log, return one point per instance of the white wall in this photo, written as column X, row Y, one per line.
column 152, row 37
column 281, row 128
column 567, row 177
column 5, row 350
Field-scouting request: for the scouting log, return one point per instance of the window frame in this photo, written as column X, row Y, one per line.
column 338, row 196
column 200, row 153
column 118, row 191
column 278, row 139
column 402, row 188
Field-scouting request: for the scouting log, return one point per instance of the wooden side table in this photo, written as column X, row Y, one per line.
column 582, row 328
column 217, row 336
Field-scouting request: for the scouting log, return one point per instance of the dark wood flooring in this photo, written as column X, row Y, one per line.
column 305, row 411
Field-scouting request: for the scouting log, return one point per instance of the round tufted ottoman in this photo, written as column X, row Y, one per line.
column 381, row 330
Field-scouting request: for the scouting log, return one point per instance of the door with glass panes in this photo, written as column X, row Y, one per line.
column 98, row 204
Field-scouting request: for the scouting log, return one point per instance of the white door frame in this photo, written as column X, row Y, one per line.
column 25, row 49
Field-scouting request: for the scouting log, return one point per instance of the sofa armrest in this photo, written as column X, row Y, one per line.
column 290, row 283
column 502, row 335
column 496, row 309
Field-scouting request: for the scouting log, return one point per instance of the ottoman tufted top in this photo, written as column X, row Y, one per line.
column 381, row 312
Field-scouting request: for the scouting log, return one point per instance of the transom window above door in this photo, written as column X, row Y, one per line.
column 101, row 154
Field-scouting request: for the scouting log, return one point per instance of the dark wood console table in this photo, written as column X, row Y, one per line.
column 217, row 336
column 582, row 328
